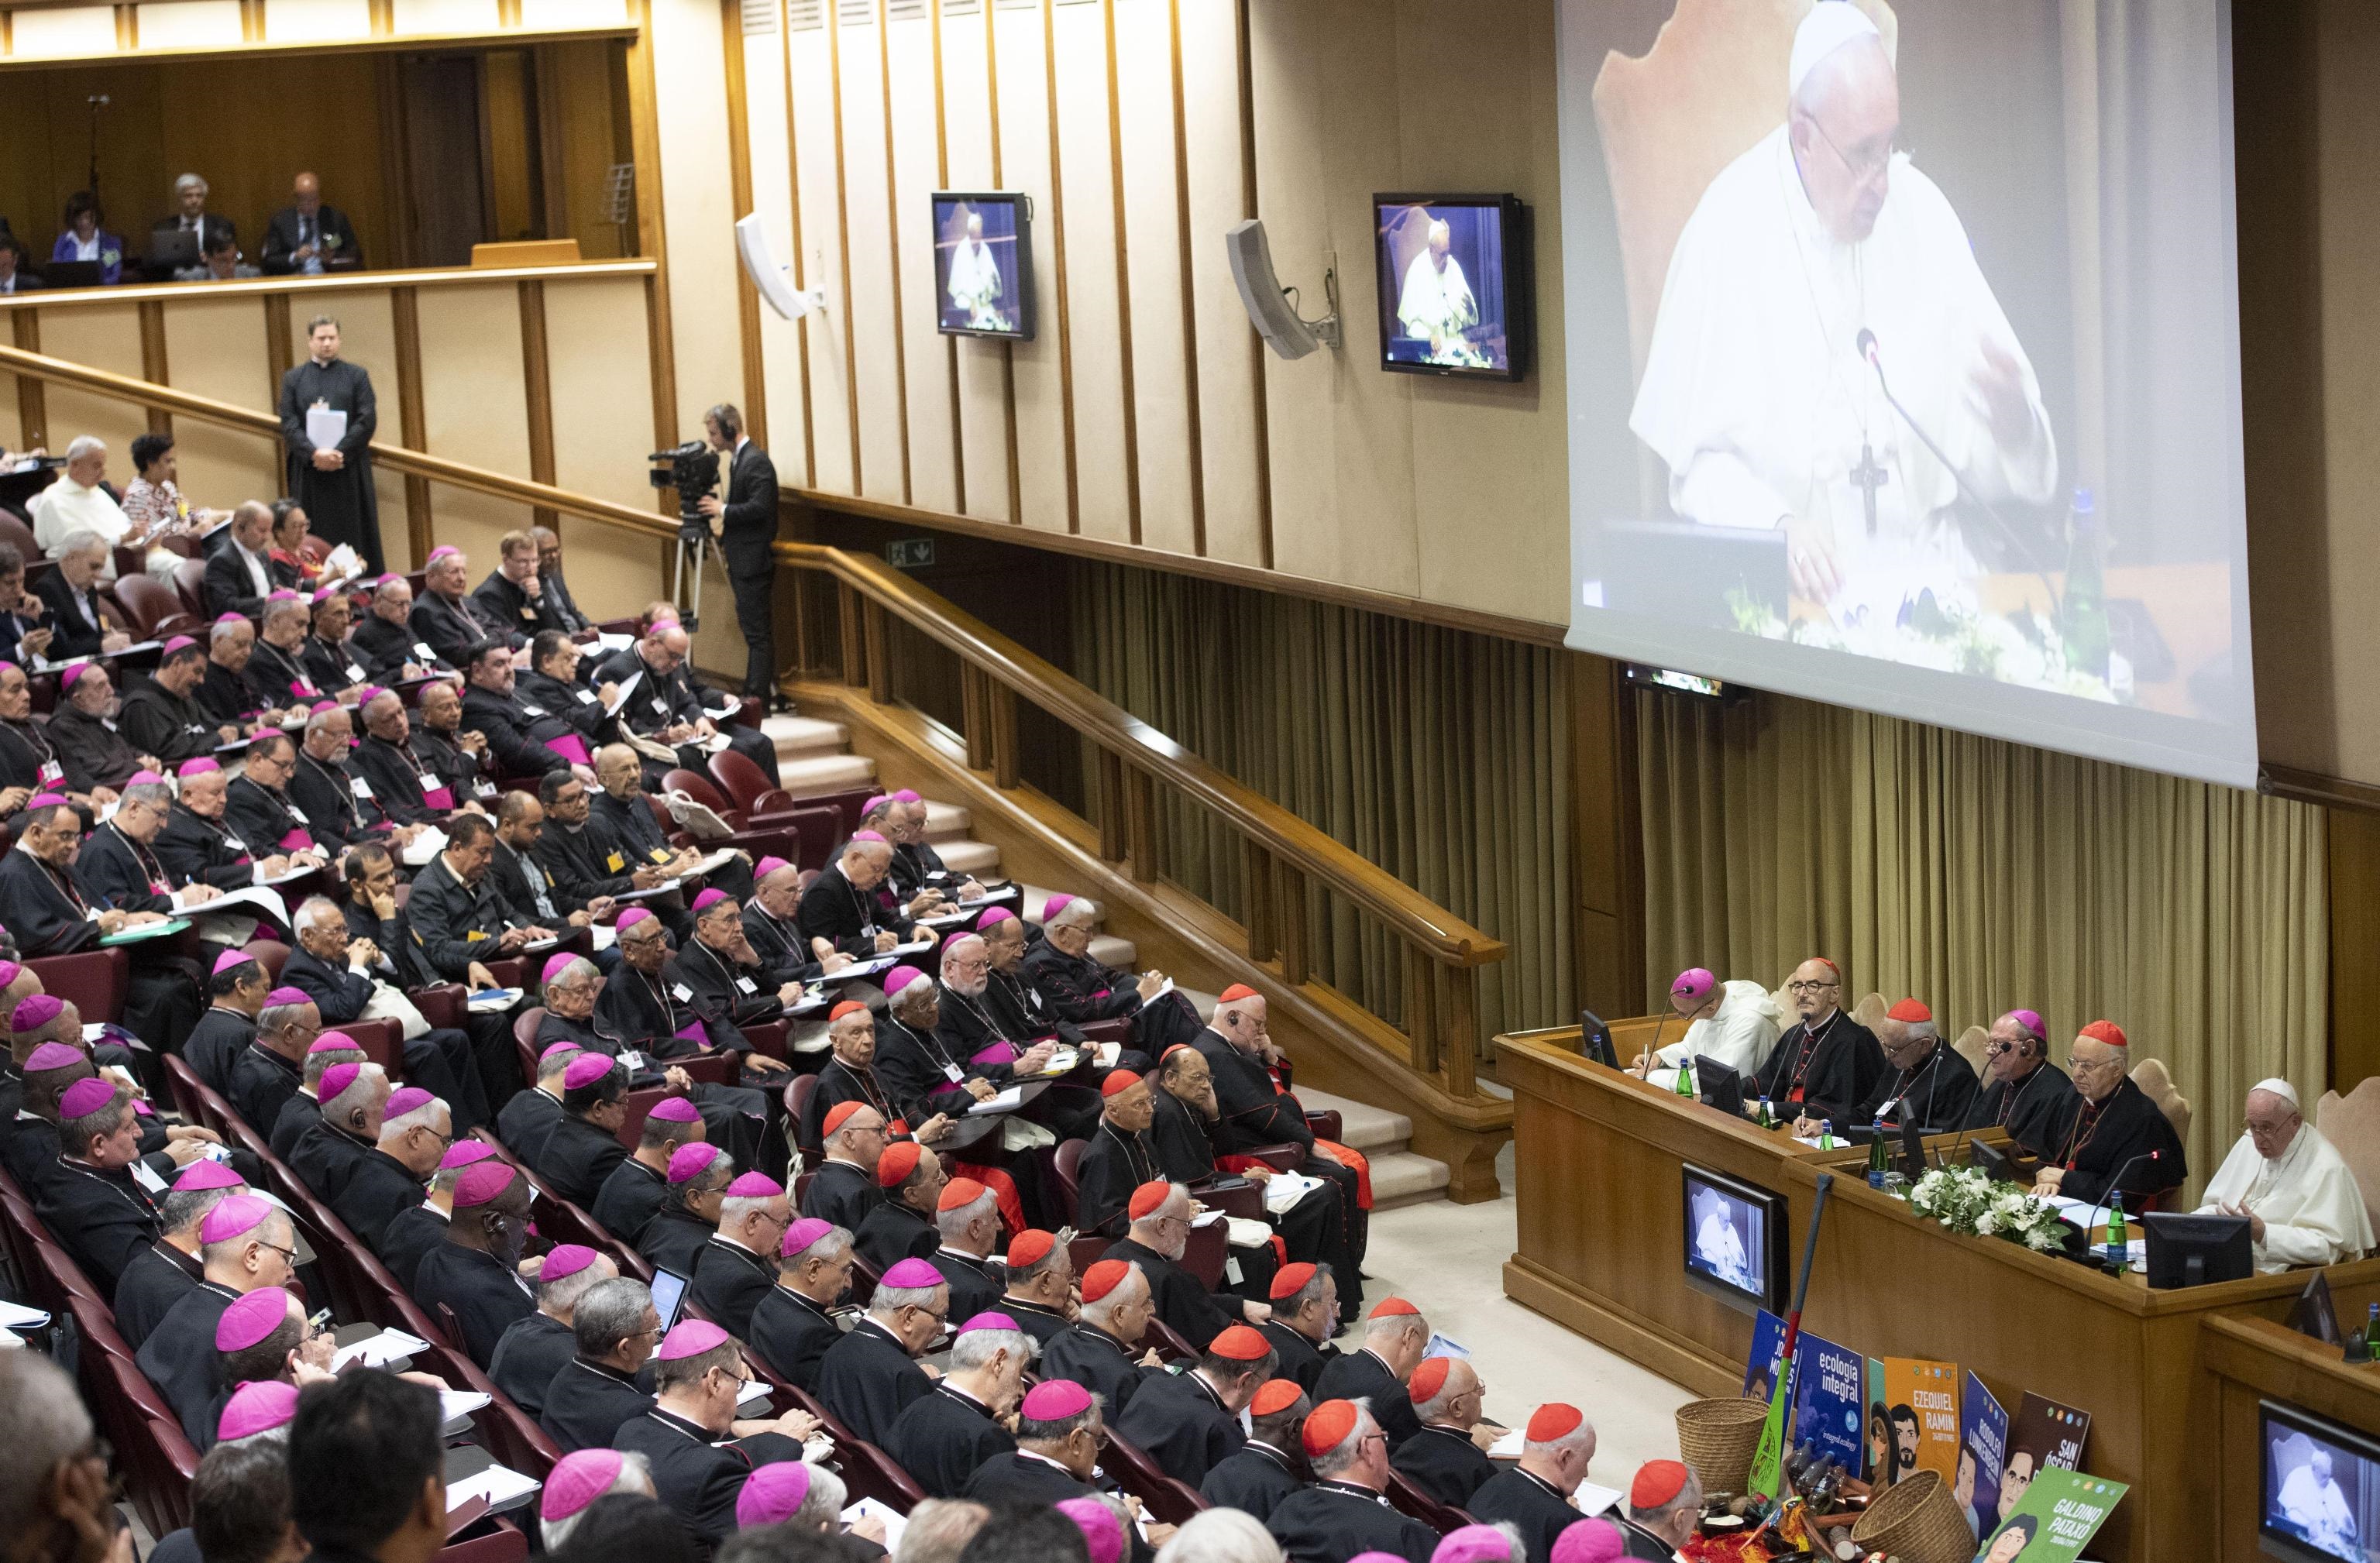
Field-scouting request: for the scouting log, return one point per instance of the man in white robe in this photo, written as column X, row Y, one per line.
column 1736, row 1023
column 2299, row 1196
column 1436, row 303
column 75, row 503
column 1718, row 1244
column 974, row 284
column 2311, row 1500
column 1757, row 394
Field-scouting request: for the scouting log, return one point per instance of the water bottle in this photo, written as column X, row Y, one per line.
column 1826, row 1133
column 1768, row 1117
column 2083, row 615
column 1684, row 1084
column 1877, row 1164
column 2118, row 1250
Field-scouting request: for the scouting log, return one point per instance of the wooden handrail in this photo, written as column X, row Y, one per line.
column 1438, row 934
column 331, row 283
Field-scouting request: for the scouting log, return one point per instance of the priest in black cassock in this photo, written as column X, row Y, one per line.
column 87, row 1197
column 158, row 1276
column 1188, row 1422
column 794, row 1324
column 1101, row 1350
column 245, row 1245
column 1187, row 1122
column 584, row 1144
column 944, row 1438
column 632, row 1195
column 1084, row 989
column 698, row 1373
column 1926, row 1082
column 334, row 481
column 1060, row 1432
column 1040, row 1274
column 1394, row 1338
column 1444, row 1460
column 1342, row 1513
column 1120, row 1156
column 1304, row 1316
column 2113, row 1140
column 843, row 1189
column 1159, row 1233
column 2022, row 1091
column 738, row 1265
column 1825, row 1064
column 610, row 1378
column 474, row 1272
column 870, row 1376
column 536, row 1349
column 699, row 1175
column 1534, row 1495
column 1260, row 1474
column 966, row 1215
column 353, row 1098
column 49, row 915
column 388, row 1180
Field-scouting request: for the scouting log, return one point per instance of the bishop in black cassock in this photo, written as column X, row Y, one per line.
column 867, row 1379
column 943, row 1439
column 2116, row 1140
column 340, row 503
column 2022, row 1091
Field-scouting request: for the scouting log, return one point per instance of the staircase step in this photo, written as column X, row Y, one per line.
column 1109, row 950
column 798, row 737
column 816, row 773
column 947, row 822
column 968, row 857
column 1367, row 1127
column 1037, row 905
column 1404, row 1178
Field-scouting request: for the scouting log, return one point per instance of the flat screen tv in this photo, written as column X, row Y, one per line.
column 1454, row 285
column 2319, row 1489
column 983, row 263
column 1735, row 1241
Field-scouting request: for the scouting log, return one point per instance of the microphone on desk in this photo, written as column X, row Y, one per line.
column 1866, row 345
column 2116, row 1185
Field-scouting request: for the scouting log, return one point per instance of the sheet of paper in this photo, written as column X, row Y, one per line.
column 263, row 898
column 1285, row 1189
column 615, row 642
column 620, row 695
column 1439, row 1346
column 456, row 1403
column 325, row 427
column 1007, row 1101
column 1244, row 1233
column 1206, row 1217
column 605, row 935
column 426, row 846
column 871, row 1508
column 16, row 1315
column 1592, row 1501
column 377, row 1350
column 710, row 863
column 500, row 1485
column 1108, row 1052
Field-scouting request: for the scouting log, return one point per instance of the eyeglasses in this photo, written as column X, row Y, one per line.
column 1809, row 987
column 1867, row 165
column 288, row 1254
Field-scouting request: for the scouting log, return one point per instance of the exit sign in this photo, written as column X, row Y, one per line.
column 910, row 553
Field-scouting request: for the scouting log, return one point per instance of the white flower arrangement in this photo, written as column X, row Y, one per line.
column 1966, row 1199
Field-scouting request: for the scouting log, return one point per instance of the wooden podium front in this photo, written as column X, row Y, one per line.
column 1602, row 1240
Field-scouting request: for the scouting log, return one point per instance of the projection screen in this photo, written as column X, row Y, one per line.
column 1903, row 361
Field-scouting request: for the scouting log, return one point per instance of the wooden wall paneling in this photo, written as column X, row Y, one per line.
column 818, row 183
column 769, row 150
column 32, row 395
column 1036, row 382
column 732, row 49
column 155, row 364
column 106, row 336
column 867, row 219
column 472, row 404
column 910, row 40
column 599, row 441
column 1216, row 197
column 701, row 270
column 537, row 390
column 1149, row 191
column 2354, row 841
column 1104, row 484
column 1606, row 839
column 643, row 82
column 217, row 350
column 974, row 164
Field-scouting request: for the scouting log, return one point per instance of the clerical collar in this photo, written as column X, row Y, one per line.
column 605, row 1371
column 1354, row 1489
column 1011, row 1303
column 726, row 1242
column 975, row 1261
column 1054, row 1465
column 680, row 1424
column 952, row 1390
column 1279, row 1455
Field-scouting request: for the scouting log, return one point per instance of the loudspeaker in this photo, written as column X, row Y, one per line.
column 1261, row 293
column 752, row 248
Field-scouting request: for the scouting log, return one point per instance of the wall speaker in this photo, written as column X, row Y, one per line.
column 1270, row 308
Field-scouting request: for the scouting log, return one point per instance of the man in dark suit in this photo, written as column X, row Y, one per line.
column 512, row 595
column 190, row 214
column 870, row 1376
column 746, row 524
column 308, row 238
column 239, row 572
column 1189, row 1422
column 697, row 1471
column 944, row 1437
column 14, row 278
column 794, row 1324
column 449, row 620
column 738, row 1267
column 1534, row 1495
column 71, row 594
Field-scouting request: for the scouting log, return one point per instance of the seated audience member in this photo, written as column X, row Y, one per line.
column 415, row 1131
column 736, row 1268
column 583, row 1145
column 624, row 821
column 223, row 692
column 632, row 1192
column 719, row 966
column 158, row 1276
column 451, row 621
column 272, row 1067
column 162, row 715
column 1015, row 1000
column 14, row 277
column 239, row 572
column 792, row 1498
column 302, row 1112
column 236, row 991
column 265, row 1338
column 916, row 1061
column 1161, row 1215
column 699, row 1370
column 1735, row 1021
column 1188, row 1119
column 575, row 988
column 770, row 926
column 607, row 1381
column 794, row 1323
column 2022, row 1091
column 1254, row 1094
column 553, row 588
column 1096, row 1351
column 26, row 628
column 258, row 803
column 278, row 679
column 2111, row 1127
column 190, row 214
column 118, row 865
column 1342, row 1513
column 902, row 1225
column 1446, row 1458
column 154, row 502
column 309, row 238
column 1120, row 1156
column 530, row 1116
column 665, row 707
column 1083, row 990
column 352, row 1101
column 519, row 743
column 240, row 1508
column 1825, row 1063
column 2299, row 1195
column 200, row 844
column 245, row 1245
column 259, row 1413
column 699, row 1178
column 1665, row 1511
column 385, row 636
column 529, row 890
column 848, row 1079
column 630, row 1528
column 219, row 260
column 1305, row 1314
column 346, row 978
column 327, row 657
column 843, row 1189
column 293, row 569
column 57, row 1504
column 1267, row 1468
column 1187, row 1422
column 77, row 500
column 574, row 856
column 71, row 593
column 408, row 788
column 365, row 1469
column 512, row 595
column 967, row 1218
column 474, row 1271
column 418, row 1230
column 88, row 1198
column 917, row 867
column 1039, row 1276
column 83, row 729
column 456, row 914
column 86, row 240
column 1396, row 1335
column 1559, row 1443
column 578, row 1480
column 870, row 1376
column 1060, row 1432
column 842, row 912
column 639, row 1009
column 1926, row 1082
column 535, row 1348
column 944, row 1438
column 336, row 798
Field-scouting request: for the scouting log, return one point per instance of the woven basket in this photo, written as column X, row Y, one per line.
column 1916, row 1520
column 1717, row 1439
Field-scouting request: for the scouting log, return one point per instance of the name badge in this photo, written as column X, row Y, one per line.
column 527, row 710
column 616, row 863
column 684, row 994
column 359, row 787
column 53, row 773
column 1034, row 997
column 1891, row 1111
column 422, row 653
column 355, row 672
column 955, row 1073
column 587, row 697
column 529, row 613
column 483, row 788
column 745, row 984
column 660, row 705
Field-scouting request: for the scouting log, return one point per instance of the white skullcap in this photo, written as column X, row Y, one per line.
column 2281, row 1088
column 1829, row 25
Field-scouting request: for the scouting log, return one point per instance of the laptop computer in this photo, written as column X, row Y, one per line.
column 74, row 273
column 171, row 249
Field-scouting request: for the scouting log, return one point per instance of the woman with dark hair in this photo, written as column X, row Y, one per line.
column 86, row 237
column 1882, row 1458
column 287, row 561
column 153, row 502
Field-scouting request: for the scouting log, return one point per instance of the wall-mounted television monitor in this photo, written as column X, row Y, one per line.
column 1454, row 285
column 983, row 263
column 1734, row 1236
column 2319, row 1494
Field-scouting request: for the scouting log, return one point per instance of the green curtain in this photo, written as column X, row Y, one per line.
column 1982, row 876
column 1441, row 755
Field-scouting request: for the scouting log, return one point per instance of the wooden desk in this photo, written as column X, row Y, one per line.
column 2253, row 1358
column 1601, row 1229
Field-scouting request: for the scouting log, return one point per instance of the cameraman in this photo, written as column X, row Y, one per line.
column 746, row 524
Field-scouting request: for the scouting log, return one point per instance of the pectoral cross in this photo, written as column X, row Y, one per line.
column 1870, row 476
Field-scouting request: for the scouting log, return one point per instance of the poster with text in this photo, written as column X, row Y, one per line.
column 2043, row 1436
column 1920, row 1399
column 1827, row 1408
column 2055, row 1520
column 1983, row 1443
column 1767, row 1356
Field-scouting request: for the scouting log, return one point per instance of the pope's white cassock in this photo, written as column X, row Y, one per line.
column 2313, row 1213
column 1757, row 399
column 1716, row 1240
column 1435, row 303
column 974, row 282
column 1741, row 1036
column 2317, row 1507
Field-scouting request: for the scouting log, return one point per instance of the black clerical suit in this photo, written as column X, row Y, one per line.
column 843, row 1192
column 729, row 1281
column 74, row 617
column 515, row 740
column 943, row 1439
column 663, row 700
column 1527, row 1501
column 173, row 727
column 673, row 1240
column 2098, row 1141
column 179, row 1356
column 332, row 665
column 568, row 617
column 414, row 1233
column 1331, row 1522
column 325, row 1158
column 448, row 1063
column 48, row 914
column 1311, row 1230
column 1114, row 1162
column 1083, row 1353
column 540, row 694
column 401, row 782
column 1937, row 1093
column 451, row 628
column 267, row 818
column 1822, row 1072
column 342, row 505
column 1361, row 1373
column 1255, row 1112
column 525, row 1120
column 261, row 1083
column 748, row 528
column 28, row 759
column 2032, row 1111
column 225, row 696
column 16, row 624
column 199, row 851
column 101, row 1217
column 278, row 680
column 1254, row 1479
column 298, row 1115
column 867, row 1379
column 834, row 909
column 577, row 1157
column 1020, row 1479
column 382, row 1189
column 153, row 1282
column 1182, row 1424
column 336, row 814
column 1044, row 1324
column 328, row 232
column 1083, row 990
column 504, row 601
column 527, row 1356
column 528, row 891
column 698, row 1479
column 487, row 1295
column 975, row 1282
column 1444, row 1463
column 791, row 1333
column 117, row 871
column 915, row 1069
column 386, row 645
column 91, row 748
column 467, row 774
column 229, row 587
column 587, row 1402
column 1301, row 1359
column 726, row 993
column 630, row 1196
column 784, row 953
column 892, row 1232
column 1187, row 1308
